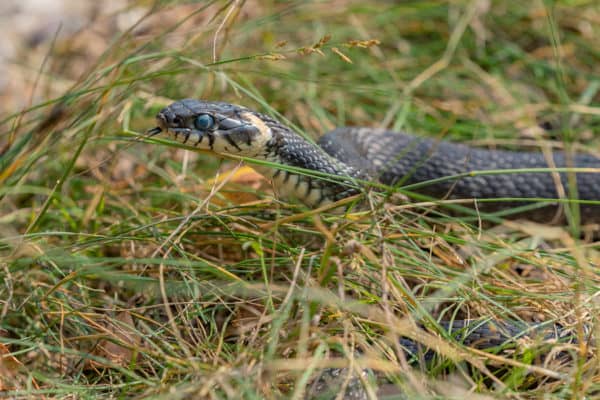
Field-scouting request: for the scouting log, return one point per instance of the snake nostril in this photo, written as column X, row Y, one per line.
column 177, row 121
column 166, row 118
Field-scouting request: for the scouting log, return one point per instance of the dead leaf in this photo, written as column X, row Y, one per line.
column 8, row 368
column 244, row 176
column 122, row 341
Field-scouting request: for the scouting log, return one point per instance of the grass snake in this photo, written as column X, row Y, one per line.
column 345, row 157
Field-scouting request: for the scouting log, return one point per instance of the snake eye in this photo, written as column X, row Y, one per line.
column 204, row 122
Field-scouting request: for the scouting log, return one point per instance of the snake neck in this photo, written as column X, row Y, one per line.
column 304, row 171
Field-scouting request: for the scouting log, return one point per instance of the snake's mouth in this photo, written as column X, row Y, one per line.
column 161, row 121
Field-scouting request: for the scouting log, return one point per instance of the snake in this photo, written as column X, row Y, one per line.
column 339, row 164
column 346, row 157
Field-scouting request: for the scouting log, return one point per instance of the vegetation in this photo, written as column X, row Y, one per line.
column 137, row 269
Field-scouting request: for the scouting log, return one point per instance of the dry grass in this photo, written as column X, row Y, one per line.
column 129, row 270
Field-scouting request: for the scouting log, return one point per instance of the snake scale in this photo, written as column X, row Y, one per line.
column 345, row 157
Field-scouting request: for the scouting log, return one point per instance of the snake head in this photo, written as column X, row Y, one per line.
column 223, row 128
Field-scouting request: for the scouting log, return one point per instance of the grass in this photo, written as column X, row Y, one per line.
column 126, row 273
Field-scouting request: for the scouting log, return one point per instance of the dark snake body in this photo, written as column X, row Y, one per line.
column 354, row 154
column 401, row 159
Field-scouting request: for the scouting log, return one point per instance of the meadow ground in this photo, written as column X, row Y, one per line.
column 133, row 270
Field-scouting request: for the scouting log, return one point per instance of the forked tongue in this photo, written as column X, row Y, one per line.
column 154, row 131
